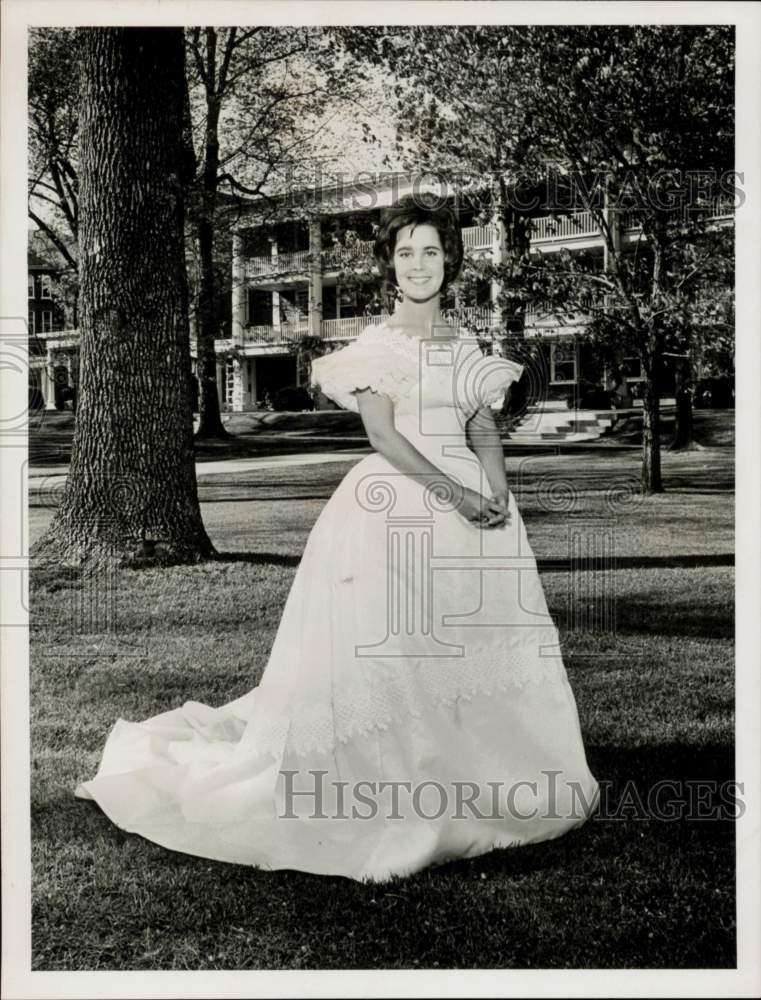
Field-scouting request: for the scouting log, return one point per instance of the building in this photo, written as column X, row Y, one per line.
column 286, row 292
column 288, row 301
column 53, row 346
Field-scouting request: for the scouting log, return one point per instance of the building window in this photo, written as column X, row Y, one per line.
column 632, row 369
column 563, row 361
column 47, row 321
column 348, row 298
column 32, row 322
column 301, row 301
column 45, row 287
column 259, row 307
column 30, row 283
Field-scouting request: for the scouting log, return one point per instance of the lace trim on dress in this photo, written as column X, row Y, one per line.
column 400, row 693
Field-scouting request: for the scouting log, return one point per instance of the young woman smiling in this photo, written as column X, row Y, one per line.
column 415, row 707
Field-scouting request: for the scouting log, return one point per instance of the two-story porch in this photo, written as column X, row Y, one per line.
column 293, row 292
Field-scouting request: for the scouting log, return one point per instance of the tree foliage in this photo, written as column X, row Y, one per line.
column 633, row 125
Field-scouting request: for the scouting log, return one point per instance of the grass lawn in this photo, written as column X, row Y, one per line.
column 655, row 698
column 262, row 433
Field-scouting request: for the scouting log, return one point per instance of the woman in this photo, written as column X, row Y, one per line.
column 415, row 707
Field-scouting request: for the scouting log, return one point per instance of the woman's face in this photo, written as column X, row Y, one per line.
column 419, row 262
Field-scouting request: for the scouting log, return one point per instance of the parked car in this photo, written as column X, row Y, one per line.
column 294, row 398
column 588, row 396
column 715, row 393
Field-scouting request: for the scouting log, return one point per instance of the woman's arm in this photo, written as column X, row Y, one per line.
column 377, row 412
column 484, row 439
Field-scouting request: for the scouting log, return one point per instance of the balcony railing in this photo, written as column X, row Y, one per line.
column 337, row 258
column 478, row 237
column 349, row 326
column 56, row 334
column 717, row 208
column 562, row 227
column 280, row 263
column 298, row 261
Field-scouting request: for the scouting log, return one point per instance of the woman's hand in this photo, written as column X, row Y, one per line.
column 501, row 498
column 486, row 513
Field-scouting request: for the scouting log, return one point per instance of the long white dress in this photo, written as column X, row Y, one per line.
column 415, row 707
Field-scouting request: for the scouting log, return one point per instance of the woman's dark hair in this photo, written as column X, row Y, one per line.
column 415, row 210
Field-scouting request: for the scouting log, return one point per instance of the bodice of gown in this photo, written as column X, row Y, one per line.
column 435, row 384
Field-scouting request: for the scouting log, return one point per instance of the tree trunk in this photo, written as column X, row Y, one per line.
column 651, row 442
column 209, row 417
column 131, row 495
column 683, row 424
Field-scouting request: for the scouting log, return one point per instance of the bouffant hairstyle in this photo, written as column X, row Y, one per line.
column 415, row 210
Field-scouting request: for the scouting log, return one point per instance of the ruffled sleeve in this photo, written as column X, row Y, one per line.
column 366, row 363
column 498, row 376
column 487, row 379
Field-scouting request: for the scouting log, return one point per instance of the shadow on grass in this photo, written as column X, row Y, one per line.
column 644, row 562
column 253, row 498
column 674, row 618
column 258, row 558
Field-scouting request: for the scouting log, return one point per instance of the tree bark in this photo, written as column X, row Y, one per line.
column 131, row 495
column 651, row 432
column 684, row 423
column 209, row 418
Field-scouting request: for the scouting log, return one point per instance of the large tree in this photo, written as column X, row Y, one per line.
column 650, row 144
column 131, row 492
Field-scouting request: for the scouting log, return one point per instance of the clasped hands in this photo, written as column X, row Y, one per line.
column 485, row 512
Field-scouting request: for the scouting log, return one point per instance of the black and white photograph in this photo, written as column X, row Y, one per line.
column 376, row 444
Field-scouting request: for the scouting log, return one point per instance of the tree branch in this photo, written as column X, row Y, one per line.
column 54, row 238
column 230, row 47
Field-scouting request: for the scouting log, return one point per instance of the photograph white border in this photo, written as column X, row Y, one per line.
column 18, row 981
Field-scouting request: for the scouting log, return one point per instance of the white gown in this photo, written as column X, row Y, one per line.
column 415, row 707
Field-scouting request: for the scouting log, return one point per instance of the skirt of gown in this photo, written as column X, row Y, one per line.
column 414, row 708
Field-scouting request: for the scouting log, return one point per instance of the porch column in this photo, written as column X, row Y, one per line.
column 193, row 325
column 239, row 290
column 221, row 373
column 238, row 389
column 315, row 278
column 497, row 256
column 252, row 376
column 276, row 310
column 48, row 380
